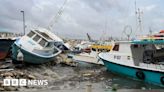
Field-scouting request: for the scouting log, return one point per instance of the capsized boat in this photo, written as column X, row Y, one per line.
column 139, row 59
column 36, row 47
column 6, row 40
column 90, row 54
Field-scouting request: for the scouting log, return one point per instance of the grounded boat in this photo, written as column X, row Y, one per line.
column 89, row 55
column 36, row 47
column 141, row 60
column 6, row 40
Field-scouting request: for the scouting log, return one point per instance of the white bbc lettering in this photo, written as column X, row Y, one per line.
column 6, row 82
column 22, row 82
column 14, row 82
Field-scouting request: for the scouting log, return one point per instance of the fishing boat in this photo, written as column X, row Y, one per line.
column 6, row 40
column 36, row 47
column 139, row 59
column 89, row 55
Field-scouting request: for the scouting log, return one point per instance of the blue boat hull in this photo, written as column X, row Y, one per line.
column 29, row 57
column 149, row 76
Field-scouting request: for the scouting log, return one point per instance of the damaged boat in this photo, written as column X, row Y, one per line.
column 36, row 47
column 6, row 40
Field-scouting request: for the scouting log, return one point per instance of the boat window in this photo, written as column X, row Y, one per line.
column 42, row 42
column 135, row 46
column 117, row 57
column 44, row 35
column 30, row 34
column 116, row 48
column 36, row 38
column 128, row 57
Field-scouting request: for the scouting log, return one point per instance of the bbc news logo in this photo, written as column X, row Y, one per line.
column 24, row 82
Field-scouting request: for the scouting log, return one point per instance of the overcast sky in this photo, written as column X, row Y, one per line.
column 99, row 18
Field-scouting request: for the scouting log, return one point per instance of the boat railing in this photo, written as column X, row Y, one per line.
column 154, row 66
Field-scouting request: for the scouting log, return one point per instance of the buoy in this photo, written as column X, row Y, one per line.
column 20, row 56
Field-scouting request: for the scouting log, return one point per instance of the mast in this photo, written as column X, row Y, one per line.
column 138, row 14
column 150, row 31
column 57, row 16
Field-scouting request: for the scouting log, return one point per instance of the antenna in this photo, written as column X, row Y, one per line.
column 138, row 14
column 150, row 31
column 57, row 16
column 103, row 36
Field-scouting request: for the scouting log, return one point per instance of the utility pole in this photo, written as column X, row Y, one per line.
column 23, row 22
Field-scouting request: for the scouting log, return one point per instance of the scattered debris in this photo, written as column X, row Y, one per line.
column 31, row 77
column 115, row 87
column 1, row 70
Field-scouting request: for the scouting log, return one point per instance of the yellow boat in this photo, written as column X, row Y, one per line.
column 102, row 47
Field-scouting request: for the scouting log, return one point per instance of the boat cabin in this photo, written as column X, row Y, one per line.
column 136, row 52
column 41, row 38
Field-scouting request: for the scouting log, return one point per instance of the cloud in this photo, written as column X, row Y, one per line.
column 96, row 17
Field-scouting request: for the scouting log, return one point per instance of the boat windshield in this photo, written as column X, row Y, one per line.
column 43, row 42
column 36, row 38
column 44, row 35
column 116, row 47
